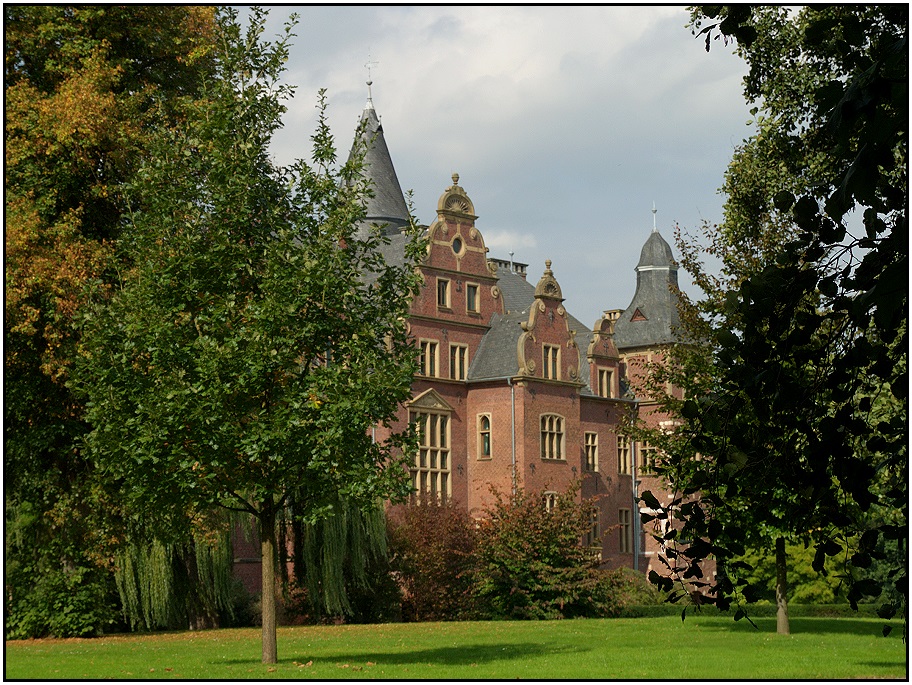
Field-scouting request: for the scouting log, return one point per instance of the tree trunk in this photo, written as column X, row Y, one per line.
column 782, row 615
column 267, row 519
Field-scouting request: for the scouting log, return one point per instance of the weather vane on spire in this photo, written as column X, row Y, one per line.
column 369, row 64
column 654, row 210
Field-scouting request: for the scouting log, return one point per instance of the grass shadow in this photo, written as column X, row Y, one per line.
column 800, row 624
column 440, row 656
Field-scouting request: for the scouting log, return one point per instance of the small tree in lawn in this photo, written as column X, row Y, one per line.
column 243, row 356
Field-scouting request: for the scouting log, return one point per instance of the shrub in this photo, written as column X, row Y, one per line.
column 431, row 552
column 530, row 560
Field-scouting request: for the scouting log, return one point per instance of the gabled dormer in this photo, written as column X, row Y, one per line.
column 460, row 286
column 547, row 348
column 603, row 358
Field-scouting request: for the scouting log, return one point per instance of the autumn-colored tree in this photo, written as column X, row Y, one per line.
column 80, row 83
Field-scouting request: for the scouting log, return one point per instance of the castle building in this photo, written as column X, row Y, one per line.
column 513, row 390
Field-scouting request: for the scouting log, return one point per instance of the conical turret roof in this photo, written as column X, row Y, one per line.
column 387, row 206
column 652, row 316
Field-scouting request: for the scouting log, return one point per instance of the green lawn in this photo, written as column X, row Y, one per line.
column 664, row 648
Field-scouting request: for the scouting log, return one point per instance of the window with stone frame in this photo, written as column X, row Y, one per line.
column 625, row 531
column 605, row 382
column 550, row 501
column 427, row 358
column 552, row 436
column 591, row 447
column 459, row 362
column 593, row 536
column 443, row 293
column 472, row 298
column 484, row 436
column 648, row 455
column 551, row 365
column 623, row 448
column 430, row 470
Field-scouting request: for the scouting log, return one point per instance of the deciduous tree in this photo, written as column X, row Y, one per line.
column 244, row 356
column 807, row 386
column 79, row 85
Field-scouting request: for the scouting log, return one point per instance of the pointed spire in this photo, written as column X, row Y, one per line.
column 387, row 204
column 654, row 229
column 370, row 100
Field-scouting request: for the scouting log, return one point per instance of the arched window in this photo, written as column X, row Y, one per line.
column 552, row 436
column 484, row 437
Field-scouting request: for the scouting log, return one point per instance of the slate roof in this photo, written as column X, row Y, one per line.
column 652, row 316
column 496, row 356
column 387, row 206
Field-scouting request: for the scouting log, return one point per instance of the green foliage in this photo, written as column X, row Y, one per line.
column 808, row 323
column 166, row 585
column 530, row 561
column 433, row 552
column 805, row 585
column 79, row 81
column 254, row 339
column 338, row 561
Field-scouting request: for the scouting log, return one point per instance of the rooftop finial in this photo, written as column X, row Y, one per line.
column 369, row 65
column 654, row 229
column 455, row 178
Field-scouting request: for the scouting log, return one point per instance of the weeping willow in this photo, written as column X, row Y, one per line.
column 170, row 585
column 332, row 556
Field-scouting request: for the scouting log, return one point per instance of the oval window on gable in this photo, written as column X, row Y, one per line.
column 457, row 245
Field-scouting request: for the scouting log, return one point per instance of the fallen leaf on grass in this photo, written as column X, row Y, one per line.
column 169, row 669
column 270, row 669
column 151, row 670
column 371, row 663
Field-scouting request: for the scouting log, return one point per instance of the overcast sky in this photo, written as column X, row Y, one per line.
column 565, row 124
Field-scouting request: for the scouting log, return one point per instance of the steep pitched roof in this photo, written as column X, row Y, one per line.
column 496, row 356
column 387, row 206
column 652, row 316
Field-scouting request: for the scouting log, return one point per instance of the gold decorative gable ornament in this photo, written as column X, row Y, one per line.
column 454, row 202
column 548, row 287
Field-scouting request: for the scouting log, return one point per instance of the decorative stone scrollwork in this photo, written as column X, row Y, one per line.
column 573, row 372
column 495, row 292
column 457, row 204
column 561, row 311
column 541, row 307
column 473, row 233
column 530, row 367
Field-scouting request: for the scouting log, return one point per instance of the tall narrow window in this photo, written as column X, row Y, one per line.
column 551, row 362
column 605, row 380
column 552, row 436
column 472, row 298
column 443, row 293
column 625, row 531
column 431, row 468
column 592, row 451
column 623, row 454
column 484, row 437
column 427, row 359
column 594, row 534
column 459, row 362
column 648, row 455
